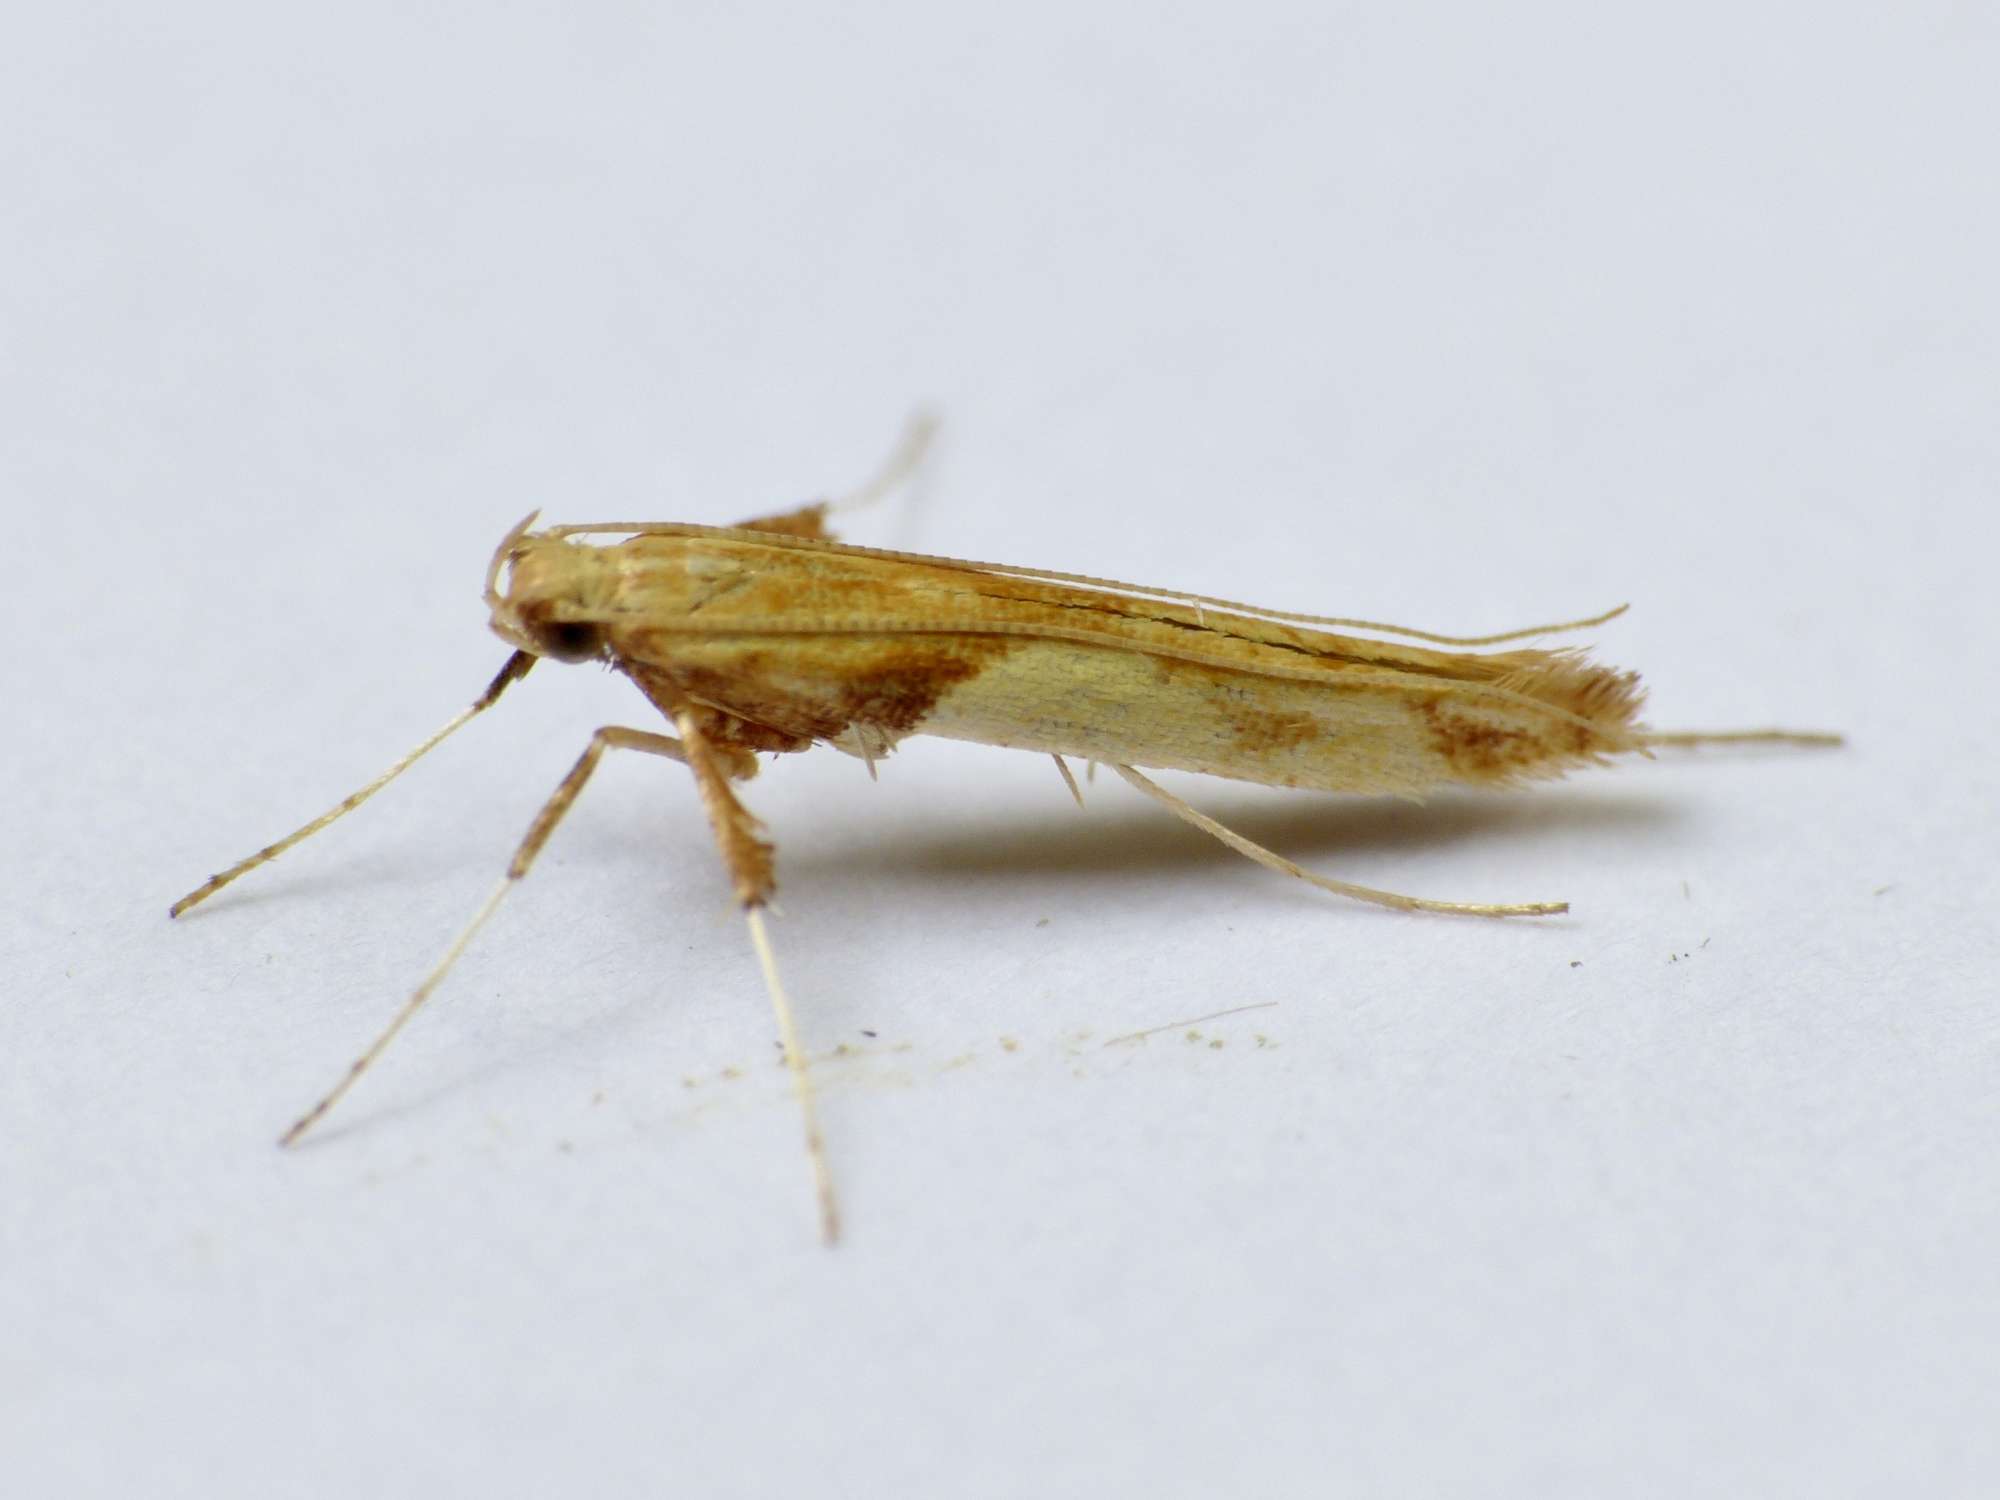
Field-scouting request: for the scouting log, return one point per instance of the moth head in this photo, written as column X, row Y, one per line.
column 548, row 595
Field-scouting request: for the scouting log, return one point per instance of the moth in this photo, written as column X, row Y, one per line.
column 772, row 637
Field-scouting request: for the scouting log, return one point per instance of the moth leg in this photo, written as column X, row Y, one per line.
column 904, row 460
column 1283, row 866
column 912, row 447
column 516, row 668
column 607, row 738
column 748, row 859
column 1069, row 778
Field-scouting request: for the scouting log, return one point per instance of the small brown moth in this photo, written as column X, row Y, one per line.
column 771, row 636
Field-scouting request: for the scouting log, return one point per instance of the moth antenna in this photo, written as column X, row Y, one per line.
column 516, row 668
column 800, row 535
column 1814, row 739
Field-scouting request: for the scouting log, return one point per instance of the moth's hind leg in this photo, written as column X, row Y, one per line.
column 608, row 738
column 898, row 468
column 1283, row 866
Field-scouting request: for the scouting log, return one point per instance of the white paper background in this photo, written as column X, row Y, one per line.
column 1462, row 316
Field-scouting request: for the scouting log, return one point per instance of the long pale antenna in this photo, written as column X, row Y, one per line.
column 1679, row 739
column 515, row 669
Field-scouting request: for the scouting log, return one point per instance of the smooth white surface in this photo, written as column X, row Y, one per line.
column 1463, row 316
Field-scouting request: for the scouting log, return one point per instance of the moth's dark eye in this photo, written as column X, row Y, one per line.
column 571, row 640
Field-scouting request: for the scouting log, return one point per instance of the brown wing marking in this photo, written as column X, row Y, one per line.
column 784, row 696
